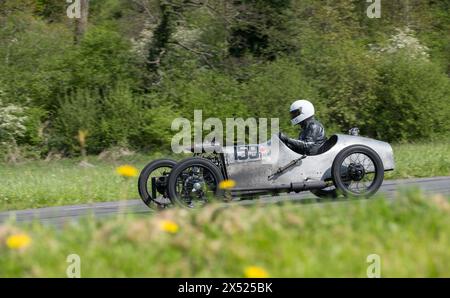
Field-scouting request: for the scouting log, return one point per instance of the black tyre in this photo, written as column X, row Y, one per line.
column 194, row 182
column 326, row 193
column 357, row 171
column 152, row 183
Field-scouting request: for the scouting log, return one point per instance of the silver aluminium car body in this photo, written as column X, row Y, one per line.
column 256, row 164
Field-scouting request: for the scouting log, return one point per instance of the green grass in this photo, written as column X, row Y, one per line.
column 411, row 235
column 39, row 183
column 421, row 160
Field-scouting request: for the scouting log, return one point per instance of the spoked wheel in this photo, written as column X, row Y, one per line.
column 357, row 171
column 194, row 182
column 152, row 183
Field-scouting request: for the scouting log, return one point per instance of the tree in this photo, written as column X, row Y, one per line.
column 260, row 28
column 81, row 22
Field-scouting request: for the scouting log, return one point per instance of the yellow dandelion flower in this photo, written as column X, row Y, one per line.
column 18, row 241
column 169, row 226
column 227, row 184
column 255, row 272
column 127, row 171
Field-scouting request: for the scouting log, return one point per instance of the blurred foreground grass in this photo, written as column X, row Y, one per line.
column 410, row 234
column 37, row 184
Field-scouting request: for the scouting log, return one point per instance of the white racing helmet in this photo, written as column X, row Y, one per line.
column 301, row 110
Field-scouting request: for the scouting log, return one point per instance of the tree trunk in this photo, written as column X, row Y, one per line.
column 82, row 22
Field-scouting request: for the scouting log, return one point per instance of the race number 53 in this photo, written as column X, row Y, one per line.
column 246, row 152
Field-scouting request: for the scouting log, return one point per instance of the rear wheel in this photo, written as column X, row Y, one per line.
column 152, row 183
column 357, row 171
column 194, row 182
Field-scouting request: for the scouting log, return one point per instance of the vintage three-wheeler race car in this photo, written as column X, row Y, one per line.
column 347, row 165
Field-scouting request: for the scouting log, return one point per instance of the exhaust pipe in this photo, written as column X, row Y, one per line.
column 292, row 187
column 308, row 185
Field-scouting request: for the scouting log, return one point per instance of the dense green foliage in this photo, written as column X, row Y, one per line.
column 143, row 63
column 409, row 234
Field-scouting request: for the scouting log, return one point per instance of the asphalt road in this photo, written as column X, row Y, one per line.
column 63, row 214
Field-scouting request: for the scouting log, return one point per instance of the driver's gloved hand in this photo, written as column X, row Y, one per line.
column 283, row 137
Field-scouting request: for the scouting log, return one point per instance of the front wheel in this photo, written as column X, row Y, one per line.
column 357, row 171
column 194, row 182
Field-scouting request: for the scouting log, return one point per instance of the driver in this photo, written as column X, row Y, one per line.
column 312, row 135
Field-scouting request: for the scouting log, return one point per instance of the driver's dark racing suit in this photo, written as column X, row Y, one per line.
column 311, row 138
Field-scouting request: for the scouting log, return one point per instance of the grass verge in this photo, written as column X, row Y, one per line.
column 421, row 160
